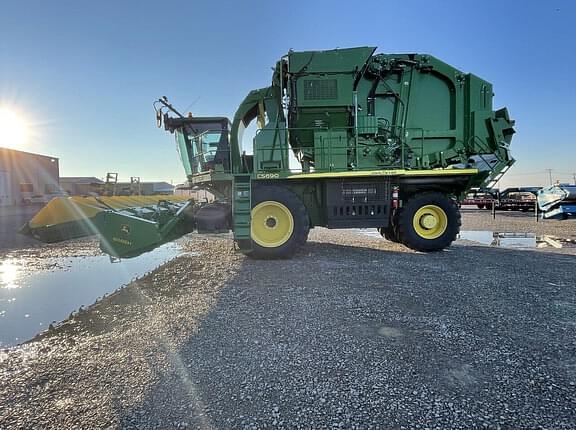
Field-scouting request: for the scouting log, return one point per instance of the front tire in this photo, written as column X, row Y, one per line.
column 429, row 222
column 279, row 223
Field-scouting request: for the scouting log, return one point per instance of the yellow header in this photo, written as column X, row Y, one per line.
column 60, row 210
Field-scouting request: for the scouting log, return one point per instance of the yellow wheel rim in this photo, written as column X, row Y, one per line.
column 430, row 222
column 272, row 224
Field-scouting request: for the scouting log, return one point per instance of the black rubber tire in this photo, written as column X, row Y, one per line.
column 480, row 206
column 391, row 232
column 388, row 233
column 300, row 217
column 412, row 239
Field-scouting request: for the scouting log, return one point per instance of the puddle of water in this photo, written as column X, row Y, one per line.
column 501, row 239
column 30, row 300
column 516, row 240
column 504, row 240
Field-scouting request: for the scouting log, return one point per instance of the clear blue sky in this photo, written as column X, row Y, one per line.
column 86, row 73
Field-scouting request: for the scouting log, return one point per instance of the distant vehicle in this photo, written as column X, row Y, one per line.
column 517, row 199
column 523, row 201
column 40, row 199
column 481, row 198
column 513, row 199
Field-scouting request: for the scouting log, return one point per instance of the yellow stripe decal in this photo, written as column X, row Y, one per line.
column 397, row 172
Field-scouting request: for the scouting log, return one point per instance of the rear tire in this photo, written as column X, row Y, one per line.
column 429, row 222
column 391, row 232
column 279, row 223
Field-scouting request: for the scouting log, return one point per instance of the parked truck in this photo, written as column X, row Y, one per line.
column 346, row 138
column 512, row 199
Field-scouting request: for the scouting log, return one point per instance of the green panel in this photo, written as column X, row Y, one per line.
column 331, row 150
column 127, row 236
column 270, row 147
column 310, row 119
column 332, row 90
column 479, row 131
column 336, row 60
column 431, row 103
column 479, row 93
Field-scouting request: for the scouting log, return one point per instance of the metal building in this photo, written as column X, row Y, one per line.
column 144, row 188
column 81, row 185
column 26, row 177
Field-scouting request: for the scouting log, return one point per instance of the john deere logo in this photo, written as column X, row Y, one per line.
column 125, row 228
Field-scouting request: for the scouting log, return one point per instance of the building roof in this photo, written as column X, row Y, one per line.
column 82, row 180
column 162, row 186
column 27, row 153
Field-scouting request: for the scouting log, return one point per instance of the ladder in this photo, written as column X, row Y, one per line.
column 494, row 179
column 241, row 207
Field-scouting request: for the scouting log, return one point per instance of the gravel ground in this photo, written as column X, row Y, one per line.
column 354, row 332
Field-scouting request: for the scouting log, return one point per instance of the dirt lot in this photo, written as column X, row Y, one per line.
column 354, row 332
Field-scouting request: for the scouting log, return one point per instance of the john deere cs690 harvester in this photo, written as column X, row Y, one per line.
column 346, row 139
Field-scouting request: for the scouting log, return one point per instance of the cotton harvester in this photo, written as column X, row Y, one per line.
column 346, row 139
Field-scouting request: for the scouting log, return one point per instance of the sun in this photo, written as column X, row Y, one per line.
column 13, row 129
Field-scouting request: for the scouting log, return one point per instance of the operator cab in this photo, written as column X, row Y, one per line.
column 203, row 142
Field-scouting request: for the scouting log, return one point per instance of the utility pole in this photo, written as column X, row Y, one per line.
column 549, row 175
column 574, row 177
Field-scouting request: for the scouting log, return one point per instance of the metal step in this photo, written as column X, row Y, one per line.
column 494, row 180
column 241, row 207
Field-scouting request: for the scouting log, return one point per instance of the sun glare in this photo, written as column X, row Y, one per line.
column 8, row 274
column 13, row 129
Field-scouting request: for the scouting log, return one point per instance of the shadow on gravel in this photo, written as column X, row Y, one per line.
column 352, row 336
